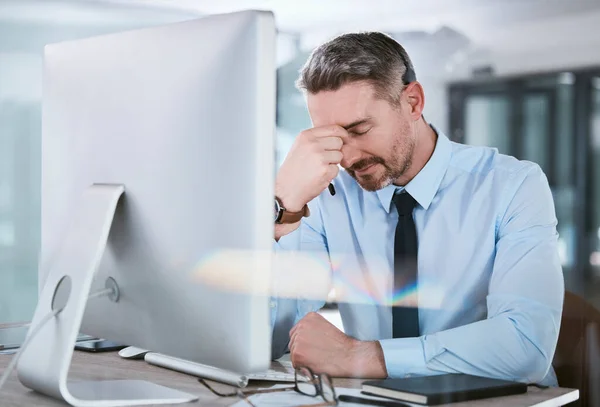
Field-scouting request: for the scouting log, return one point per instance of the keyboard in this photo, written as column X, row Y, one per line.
column 281, row 371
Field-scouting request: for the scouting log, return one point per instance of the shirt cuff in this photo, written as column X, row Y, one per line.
column 404, row 357
column 291, row 241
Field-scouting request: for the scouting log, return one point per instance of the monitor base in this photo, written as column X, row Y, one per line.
column 109, row 393
column 44, row 363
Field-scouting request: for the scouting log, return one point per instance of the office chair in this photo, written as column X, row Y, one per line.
column 577, row 357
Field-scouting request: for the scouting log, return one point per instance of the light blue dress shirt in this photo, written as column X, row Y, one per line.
column 490, row 281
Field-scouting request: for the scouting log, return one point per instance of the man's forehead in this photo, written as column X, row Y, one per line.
column 343, row 106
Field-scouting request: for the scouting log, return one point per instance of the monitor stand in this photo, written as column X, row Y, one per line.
column 45, row 362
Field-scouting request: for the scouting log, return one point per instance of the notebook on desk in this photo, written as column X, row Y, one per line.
column 448, row 388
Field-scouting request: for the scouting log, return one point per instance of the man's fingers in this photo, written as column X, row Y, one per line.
column 293, row 335
column 332, row 143
column 293, row 345
column 332, row 157
column 294, row 328
column 333, row 171
column 328, row 131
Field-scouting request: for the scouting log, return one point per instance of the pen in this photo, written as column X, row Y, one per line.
column 331, row 189
column 372, row 402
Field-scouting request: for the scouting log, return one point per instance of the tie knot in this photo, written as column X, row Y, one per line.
column 404, row 202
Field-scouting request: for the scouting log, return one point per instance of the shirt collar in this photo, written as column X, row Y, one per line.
column 426, row 183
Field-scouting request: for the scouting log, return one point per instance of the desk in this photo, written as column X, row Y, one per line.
column 104, row 366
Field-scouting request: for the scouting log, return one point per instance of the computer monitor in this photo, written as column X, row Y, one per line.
column 182, row 117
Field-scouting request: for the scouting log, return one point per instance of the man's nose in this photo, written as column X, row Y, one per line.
column 350, row 155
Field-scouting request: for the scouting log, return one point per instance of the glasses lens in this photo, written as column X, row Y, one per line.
column 328, row 391
column 305, row 381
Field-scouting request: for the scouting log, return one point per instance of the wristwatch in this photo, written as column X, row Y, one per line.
column 282, row 215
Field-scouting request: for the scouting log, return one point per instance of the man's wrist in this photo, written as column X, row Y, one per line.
column 367, row 360
column 288, row 200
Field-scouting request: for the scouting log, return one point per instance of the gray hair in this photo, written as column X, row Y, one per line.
column 370, row 56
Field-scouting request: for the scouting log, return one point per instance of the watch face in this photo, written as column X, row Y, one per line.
column 276, row 210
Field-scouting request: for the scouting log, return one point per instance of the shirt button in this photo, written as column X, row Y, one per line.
column 272, row 304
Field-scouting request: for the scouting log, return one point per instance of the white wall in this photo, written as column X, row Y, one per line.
column 558, row 43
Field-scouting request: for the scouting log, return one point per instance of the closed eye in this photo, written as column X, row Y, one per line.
column 357, row 133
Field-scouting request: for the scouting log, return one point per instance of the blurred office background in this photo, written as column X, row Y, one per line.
column 522, row 76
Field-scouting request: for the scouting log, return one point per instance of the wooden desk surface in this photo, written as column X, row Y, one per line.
column 108, row 366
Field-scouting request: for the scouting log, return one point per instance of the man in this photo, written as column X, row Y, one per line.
column 473, row 230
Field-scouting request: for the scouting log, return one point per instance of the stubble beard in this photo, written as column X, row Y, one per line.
column 393, row 169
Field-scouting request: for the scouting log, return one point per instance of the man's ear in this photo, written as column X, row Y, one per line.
column 415, row 95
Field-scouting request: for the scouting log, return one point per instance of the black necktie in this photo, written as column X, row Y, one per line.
column 405, row 320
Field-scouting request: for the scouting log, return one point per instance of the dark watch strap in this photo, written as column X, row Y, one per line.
column 293, row 217
column 286, row 216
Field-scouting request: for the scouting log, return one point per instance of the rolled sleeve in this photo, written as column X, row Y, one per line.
column 405, row 357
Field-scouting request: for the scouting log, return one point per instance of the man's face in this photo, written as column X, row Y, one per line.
column 381, row 139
